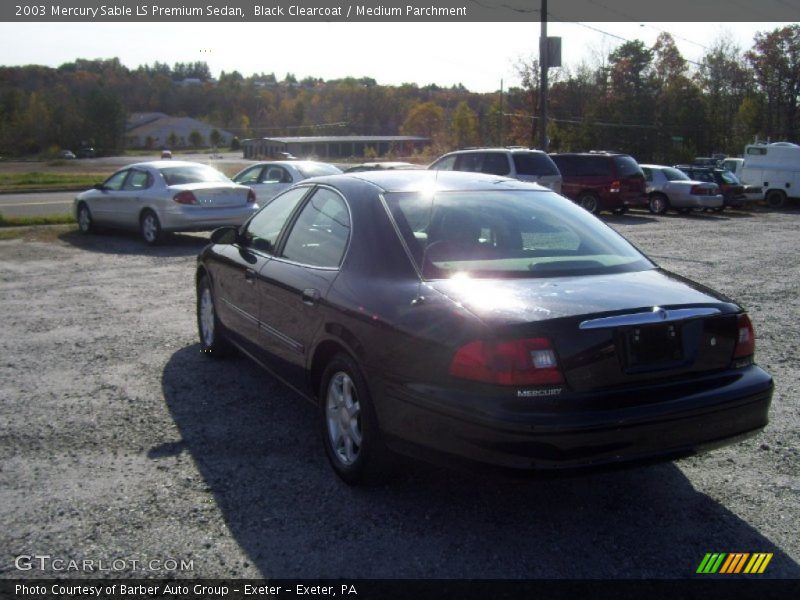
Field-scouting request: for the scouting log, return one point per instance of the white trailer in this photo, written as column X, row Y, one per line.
column 775, row 168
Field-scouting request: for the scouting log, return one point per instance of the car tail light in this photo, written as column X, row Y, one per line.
column 529, row 361
column 614, row 187
column 186, row 197
column 745, row 341
column 699, row 190
column 251, row 197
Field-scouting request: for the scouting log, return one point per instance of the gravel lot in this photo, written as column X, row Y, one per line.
column 119, row 440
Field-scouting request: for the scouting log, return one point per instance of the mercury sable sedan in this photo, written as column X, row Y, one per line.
column 472, row 316
column 163, row 196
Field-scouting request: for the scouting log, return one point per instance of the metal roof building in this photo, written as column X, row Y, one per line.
column 345, row 146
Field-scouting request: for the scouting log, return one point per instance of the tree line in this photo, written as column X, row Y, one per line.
column 648, row 101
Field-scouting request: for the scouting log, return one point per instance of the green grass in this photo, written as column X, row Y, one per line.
column 43, row 220
column 35, row 180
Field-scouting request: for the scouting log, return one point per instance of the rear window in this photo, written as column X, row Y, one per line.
column 534, row 163
column 675, row 174
column 626, row 166
column 729, row 178
column 316, row 169
column 511, row 233
column 192, row 174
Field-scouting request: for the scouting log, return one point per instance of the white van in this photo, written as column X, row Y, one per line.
column 776, row 168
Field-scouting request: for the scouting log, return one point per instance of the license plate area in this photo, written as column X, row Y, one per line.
column 652, row 347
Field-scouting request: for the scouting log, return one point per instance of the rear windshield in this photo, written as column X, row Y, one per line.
column 729, row 178
column 534, row 163
column 675, row 175
column 316, row 169
column 192, row 174
column 510, row 233
column 626, row 166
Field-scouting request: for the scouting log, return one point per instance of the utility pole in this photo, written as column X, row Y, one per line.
column 502, row 137
column 544, row 63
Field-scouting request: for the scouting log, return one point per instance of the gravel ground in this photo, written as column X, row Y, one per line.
column 119, row 440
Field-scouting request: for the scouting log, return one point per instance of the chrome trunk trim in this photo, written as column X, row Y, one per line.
column 655, row 316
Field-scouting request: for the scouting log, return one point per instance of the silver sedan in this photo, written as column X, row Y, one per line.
column 669, row 188
column 268, row 179
column 163, row 196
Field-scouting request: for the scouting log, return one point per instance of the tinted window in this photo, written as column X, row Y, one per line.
column 192, row 174
column 495, row 163
column 729, row 177
column 534, row 163
column 593, row 166
column 648, row 173
column 471, row 162
column 249, row 176
column 316, row 169
column 626, row 166
column 566, row 164
column 263, row 230
column 275, row 174
column 508, row 234
column 319, row 236
column 115, row 181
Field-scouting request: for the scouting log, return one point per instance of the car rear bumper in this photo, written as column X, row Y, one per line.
column 196, row 218
column 416, row 422
column 694, row 201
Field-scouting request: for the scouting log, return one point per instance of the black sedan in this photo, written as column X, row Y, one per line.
column 472, row 316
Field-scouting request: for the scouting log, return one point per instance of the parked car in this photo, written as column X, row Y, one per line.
column 86, row 152
column 669, row 188
column 524, row 164
column 599, row 181
column 267, row 179
column 158, row 197
column 458, row 314
column 380, row 166
column 68, row 154
column 166, row 154
column 753, row 192
column 732, row 189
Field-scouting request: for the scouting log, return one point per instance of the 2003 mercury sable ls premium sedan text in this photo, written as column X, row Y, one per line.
column 477, row 317
column 163, row 196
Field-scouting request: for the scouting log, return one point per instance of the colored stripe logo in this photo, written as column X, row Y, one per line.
column 734, row 563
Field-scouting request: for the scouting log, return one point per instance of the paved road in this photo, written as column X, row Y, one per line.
column 36, row 204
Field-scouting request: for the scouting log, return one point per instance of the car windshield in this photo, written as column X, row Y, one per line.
column 729, row 177
column 316, row 169
column 509, row 233
column 179, row 175
column 675, row 174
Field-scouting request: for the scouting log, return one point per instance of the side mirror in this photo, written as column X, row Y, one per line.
column 99, row 186
column 225, row 235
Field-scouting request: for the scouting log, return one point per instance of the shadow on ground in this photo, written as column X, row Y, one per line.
column 129, row 243
column 256, row 444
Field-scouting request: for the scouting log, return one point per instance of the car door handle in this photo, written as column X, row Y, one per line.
column 311, row 297
column 250, row 276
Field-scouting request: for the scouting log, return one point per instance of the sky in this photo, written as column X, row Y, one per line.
column 476, row 55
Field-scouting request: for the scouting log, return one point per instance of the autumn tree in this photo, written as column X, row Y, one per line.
column 425, row 119
column 776, row 60
column 463, row 126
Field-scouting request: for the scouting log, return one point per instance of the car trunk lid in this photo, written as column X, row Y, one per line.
column 213, row 196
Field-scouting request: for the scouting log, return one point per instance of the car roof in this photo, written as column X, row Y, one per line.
column 412, row 180
column 160, row 164
column 496, row 149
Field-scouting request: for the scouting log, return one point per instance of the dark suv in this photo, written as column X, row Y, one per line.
column 601, row 180
column 732, row 189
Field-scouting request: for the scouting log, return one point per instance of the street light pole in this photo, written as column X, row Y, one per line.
column 544, row 63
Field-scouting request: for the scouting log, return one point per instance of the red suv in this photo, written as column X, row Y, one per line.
column 601, row 180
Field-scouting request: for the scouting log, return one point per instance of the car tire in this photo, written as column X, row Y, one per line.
column 150, row 228
column 85, row 221
column 775, row 199
column 658, row 204
column 350, row 431
column 590, row 202
column 213, row 342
